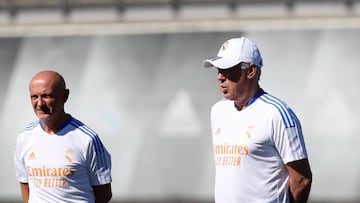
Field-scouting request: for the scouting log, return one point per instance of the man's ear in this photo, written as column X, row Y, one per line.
column 66, row 95
column 251, row 73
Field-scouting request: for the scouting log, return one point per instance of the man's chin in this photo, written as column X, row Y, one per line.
column 43, row 116
column 229, row 97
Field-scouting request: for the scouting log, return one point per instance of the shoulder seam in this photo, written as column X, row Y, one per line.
column 282, row 108
column 31, row 126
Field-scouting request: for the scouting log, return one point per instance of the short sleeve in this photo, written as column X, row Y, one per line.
column 99, row 163
column 20, row 168
column 288, row 137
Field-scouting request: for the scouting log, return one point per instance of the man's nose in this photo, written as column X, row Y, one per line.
column 40, row 101
column 221, row 77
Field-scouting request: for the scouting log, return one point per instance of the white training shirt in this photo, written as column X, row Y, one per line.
column 251, row 147
column 61, row 167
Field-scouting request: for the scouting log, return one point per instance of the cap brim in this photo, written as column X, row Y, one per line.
column 219, row 62
column 207, row 64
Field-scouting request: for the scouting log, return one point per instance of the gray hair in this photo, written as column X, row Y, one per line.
column 245, row 66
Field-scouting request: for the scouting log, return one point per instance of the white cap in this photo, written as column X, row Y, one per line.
column 233, row 52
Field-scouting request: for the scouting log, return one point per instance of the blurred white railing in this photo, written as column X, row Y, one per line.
column 79, row 17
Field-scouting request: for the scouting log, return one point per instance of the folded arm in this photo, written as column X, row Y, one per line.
column 102, row 193
column 300, row 180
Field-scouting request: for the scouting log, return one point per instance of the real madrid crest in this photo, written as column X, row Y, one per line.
column 225, row 45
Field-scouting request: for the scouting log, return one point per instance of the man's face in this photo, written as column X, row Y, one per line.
column 231, row 81
column 47, row 100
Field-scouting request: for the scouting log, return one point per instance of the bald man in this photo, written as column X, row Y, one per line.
column 57, row 157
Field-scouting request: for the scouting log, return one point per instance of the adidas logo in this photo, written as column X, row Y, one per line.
column 31, row 156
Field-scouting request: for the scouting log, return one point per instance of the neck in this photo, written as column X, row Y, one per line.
column 54, row 125
column 242, row 103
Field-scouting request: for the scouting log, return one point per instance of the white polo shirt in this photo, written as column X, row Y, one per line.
column 251, row 147
column 61, row 167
